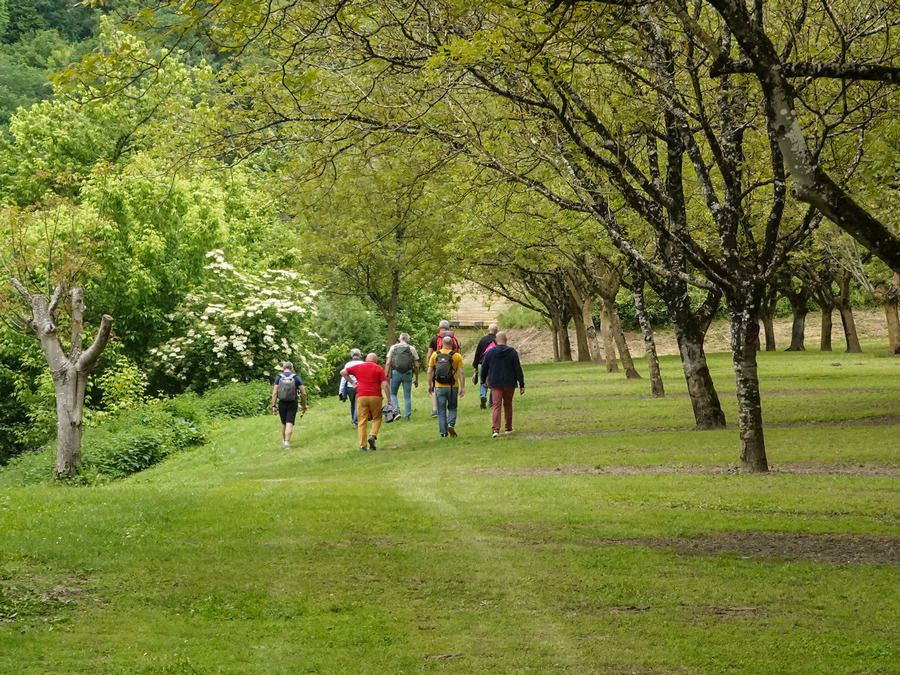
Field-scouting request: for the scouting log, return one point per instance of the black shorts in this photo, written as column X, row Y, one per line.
column 287, row 411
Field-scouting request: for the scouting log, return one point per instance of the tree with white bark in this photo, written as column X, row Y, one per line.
column 49, row 248
column 68, row 370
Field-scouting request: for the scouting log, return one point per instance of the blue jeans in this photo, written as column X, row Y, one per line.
column 447, row 403
column 351, row 396
column 398, row 378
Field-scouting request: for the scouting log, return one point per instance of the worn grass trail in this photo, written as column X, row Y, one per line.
column 603, row 536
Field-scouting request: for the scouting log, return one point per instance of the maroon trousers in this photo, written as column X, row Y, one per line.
column 501, row 396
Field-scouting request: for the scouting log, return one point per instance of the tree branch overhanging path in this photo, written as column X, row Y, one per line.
column 812, row 184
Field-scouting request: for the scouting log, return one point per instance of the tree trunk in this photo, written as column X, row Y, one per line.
column 799, row 297
column 624, row 353
column 744, row 335
column 555, row 329
column 69, row 385
column 889, row 296
column 391, row 321
column 587, row 315
column 606, row 332
column 893, row 325
column 799, row 311
column 769, row 329
column 708, row 412
column 581, row 336
column 767, row 309
column 69, row 372
column 798, row 330
column 565, row 344
column 827, row 324
column 846, row 311
column 656, row 382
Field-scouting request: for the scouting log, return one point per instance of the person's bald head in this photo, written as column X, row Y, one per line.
column 372, row 356
column 447, row 342
column 500, row 339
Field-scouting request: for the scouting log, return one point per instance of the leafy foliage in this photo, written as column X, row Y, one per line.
column 132, row 439
column 238, row 326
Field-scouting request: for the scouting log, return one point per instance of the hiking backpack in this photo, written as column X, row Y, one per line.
column 287, row 388
column 444, row 373
column 440, row 337
column 402, row 358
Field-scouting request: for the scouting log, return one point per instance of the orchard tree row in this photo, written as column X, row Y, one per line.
column 708, row 152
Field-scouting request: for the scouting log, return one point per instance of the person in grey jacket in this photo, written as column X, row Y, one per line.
column 502, row 373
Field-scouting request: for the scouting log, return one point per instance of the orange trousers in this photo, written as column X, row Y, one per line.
column 368, row 408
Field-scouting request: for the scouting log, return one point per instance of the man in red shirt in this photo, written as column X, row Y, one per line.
column 371, row 391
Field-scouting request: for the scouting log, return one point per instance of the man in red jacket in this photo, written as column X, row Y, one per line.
column 371, row 391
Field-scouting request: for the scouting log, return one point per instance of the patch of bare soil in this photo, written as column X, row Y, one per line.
column 536, row 344
column 30, row 599
column 795, row 468
column 841, row 549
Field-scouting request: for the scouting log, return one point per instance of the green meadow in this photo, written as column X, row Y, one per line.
column 604, row 535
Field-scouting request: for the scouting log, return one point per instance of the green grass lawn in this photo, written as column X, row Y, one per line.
column 604, row 536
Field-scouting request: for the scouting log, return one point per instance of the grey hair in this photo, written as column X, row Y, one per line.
column 355, row 352
column 404, row 337
column 287, row 365
column 444, row 324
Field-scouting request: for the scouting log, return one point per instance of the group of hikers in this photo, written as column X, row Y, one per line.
column 368, row 386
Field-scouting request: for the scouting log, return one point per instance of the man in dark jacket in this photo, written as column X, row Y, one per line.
column 483, row 344
column 502, row 372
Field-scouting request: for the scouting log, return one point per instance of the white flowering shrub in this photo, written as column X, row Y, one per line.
column 239, row 326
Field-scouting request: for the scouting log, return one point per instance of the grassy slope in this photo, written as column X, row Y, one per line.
column 550, row 551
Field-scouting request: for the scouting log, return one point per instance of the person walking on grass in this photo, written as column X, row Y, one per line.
column 403, row 367
column 485, row 344
column 347, row 388
column 502, row 372
column 434, row 346
column 285, row 394
column 371, row 390
column 446, row 381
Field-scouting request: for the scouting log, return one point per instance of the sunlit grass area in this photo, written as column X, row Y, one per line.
column 604, row 535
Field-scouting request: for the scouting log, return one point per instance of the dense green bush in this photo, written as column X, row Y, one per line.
column 243, row 399
column 126, row 441
column 132, row 440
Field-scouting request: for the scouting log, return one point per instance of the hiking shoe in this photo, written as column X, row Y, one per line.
column 451, row 431
column 443, row 435
column 507, row 432
column 372, row 440
column 362, row 448
column 496, row 434
column 484, row 402
column 286, row 444
column 434, row 413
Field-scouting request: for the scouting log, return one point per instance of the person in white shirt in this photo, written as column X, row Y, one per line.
column 347, row 388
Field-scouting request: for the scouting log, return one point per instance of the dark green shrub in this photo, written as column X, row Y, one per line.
column 125, row 454
column 237, row 400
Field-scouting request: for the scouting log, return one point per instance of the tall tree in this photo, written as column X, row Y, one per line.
column 48, row 248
